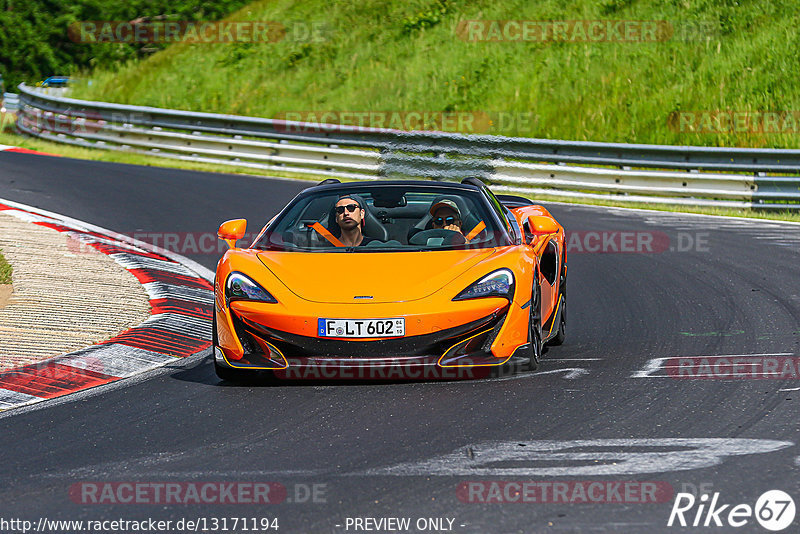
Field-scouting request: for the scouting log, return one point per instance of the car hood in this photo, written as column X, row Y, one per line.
column 355, row 277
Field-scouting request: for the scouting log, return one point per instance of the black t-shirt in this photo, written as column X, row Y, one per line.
column 365, row 240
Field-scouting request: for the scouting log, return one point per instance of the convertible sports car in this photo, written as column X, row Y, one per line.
column 487, row 291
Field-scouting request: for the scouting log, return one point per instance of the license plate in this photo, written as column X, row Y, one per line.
column 393, row 327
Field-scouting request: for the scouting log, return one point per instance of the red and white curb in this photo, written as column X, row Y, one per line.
column 20, row 150
column 181, row 297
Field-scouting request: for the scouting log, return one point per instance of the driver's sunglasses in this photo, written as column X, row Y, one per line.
column 441, row 221
column 350, row 207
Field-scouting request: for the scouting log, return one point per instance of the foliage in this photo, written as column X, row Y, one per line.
column 35, row 42
column 427, row 18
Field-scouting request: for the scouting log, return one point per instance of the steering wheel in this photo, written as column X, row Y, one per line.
column 447, row 237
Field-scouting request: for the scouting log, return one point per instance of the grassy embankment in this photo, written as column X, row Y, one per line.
column 400, row 56
column 385, row 56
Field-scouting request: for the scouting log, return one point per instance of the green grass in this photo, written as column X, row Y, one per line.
column 405, row 56
column 5, row 270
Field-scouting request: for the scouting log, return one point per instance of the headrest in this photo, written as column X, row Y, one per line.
column 372, row 227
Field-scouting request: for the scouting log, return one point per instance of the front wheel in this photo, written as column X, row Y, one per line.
column 225, row 373
column 231, row 375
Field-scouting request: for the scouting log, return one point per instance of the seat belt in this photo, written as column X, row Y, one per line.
column 321, row 230
column 480, row 227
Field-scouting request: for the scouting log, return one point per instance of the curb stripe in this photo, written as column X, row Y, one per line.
column 92, row 229
column 165, row 277
column 10, row 399
column 49, row 379
column 105, row 245
column 189, row 326
column 192, row 309
column 28, row 151
column 124, row 248
column 160, row 341
column 179, row 324
column 159, row 290
column 135, row 261
column 116, row 360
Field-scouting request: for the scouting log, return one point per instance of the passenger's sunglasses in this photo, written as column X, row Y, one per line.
column 350, row 207
column 441, row 221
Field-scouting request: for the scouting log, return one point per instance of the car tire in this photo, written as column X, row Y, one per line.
column 558, row 339
column 535, row 327
column 562, row 322
column 225, row 373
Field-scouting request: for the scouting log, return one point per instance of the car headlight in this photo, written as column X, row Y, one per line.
column 240, row 287
column 500, row 283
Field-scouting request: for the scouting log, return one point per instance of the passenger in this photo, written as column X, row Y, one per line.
column 350, row 212
column 446, row 216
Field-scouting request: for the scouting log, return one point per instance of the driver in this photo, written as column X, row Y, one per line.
column 446, row 216
column 350, row 214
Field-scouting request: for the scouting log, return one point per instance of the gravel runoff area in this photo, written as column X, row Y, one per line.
column 5, row 294
column 66, row 296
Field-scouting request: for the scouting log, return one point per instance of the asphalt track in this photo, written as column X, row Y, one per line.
column 402, row 449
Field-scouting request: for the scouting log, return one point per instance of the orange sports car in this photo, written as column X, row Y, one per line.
column 413, row 276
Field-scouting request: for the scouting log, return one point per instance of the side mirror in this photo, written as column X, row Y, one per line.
column 541, row 225
column 231, row 231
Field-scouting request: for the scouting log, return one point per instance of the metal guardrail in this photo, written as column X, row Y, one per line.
column 10, row 102
column 650, row 173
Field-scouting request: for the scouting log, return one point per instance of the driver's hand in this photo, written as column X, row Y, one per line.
column 453, row 227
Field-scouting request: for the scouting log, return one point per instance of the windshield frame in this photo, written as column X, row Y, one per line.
column 500, row 237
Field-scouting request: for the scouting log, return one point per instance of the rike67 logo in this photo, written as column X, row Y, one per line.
column 774, row 510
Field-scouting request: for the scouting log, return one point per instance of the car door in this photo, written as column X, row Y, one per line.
column 549, row 267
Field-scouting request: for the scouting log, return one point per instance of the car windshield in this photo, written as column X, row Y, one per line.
column 396, row 218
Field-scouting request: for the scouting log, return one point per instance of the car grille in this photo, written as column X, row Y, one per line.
column 297, row 346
